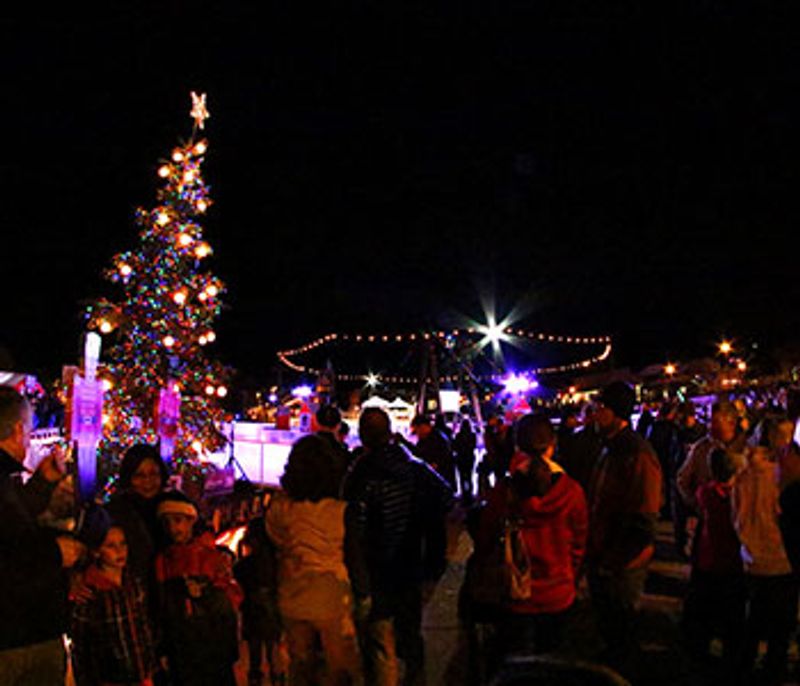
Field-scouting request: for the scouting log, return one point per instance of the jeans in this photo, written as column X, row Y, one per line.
column 40, row 664
column 339, row 646
column 615, row 597
column 394, row 631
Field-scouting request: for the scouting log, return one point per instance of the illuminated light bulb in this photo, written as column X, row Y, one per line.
column 212, row 291
column 177, row 156
column 179, row 297
column 125, row 269
column 210, row 390
column 107, row 384
column 202, row 340
column 163, row 172
column 106, row 419
column 742, row 366
column 188, row 177
column 222, row 392
column 176, row 388
column 202, row 205
column 105, row 326
column 725, row 347
column 202, row 250
column 162, row 219
column 197, row 446
column 202, row 297
column 211, row 337
column 669, row 369
column 168, row 341
column 200, row 148
column 185, row 240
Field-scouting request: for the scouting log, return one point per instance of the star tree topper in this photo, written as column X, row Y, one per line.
column 199, row 110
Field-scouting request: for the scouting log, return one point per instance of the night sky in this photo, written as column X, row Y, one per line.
column 384, row 166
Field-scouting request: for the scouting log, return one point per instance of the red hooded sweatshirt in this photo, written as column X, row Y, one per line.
column 554, row 528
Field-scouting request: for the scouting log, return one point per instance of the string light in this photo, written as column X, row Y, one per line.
column 168, row 341
column 125, row 270
column 162, row 219
column 202, row 250
column 185, row 240
column 105, row 326
column 164, row 171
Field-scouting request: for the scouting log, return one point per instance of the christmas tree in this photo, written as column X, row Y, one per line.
column 161, row 327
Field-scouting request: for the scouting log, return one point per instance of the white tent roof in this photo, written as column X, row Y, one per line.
column 399, row 404
column 375, row 401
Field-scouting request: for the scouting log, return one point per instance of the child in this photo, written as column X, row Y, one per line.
column 198, row 600
column 257, row 574
column 111, row 635
column 715, row 604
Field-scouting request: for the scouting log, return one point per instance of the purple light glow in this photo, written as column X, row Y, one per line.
column 304, row 391
column 516, row 384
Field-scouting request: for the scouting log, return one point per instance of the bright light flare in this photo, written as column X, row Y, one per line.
column 726, row 348
column 302, row 391
column 516, row 384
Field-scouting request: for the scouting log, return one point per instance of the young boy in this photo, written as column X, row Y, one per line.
column 198, row 600
column 111, row 635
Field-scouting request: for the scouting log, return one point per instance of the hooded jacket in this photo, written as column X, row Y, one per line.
column 554, row 528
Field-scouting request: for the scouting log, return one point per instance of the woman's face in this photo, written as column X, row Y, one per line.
column 146, row 480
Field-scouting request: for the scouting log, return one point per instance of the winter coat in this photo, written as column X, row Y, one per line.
column 313, row 579
column 755, row 517
column 624, row 501
column 554, row 529
column 33, row 604
column 400, row 505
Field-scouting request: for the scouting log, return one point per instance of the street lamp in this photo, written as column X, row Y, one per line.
column 670, row 369
column 725, row 348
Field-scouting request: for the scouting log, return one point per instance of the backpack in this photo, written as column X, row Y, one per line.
column 500, row 574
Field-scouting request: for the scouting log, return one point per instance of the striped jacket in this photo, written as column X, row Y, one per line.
column 400, row 507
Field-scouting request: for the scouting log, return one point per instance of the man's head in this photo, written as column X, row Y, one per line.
column 724, row 420
column 421, row 426
column 328, row 418
column 614, row 407
column 374, row 428
column 15, row 423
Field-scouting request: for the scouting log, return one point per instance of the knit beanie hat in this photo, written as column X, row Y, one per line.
column 175, row 502
column 620, row 398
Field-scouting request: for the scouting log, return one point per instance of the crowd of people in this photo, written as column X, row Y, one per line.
column 337, row 570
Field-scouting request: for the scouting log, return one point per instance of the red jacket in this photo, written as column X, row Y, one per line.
column 554, row 527
column 717, row 549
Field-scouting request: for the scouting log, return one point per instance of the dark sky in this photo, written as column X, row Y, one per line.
column 630, row 171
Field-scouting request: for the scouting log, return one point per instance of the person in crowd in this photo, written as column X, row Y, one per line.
column 112, row 637
column 499, row 444
column 579, row 451
column 715, row 602
column 318, row 561
column 329, row 419
column 33, row 560
column 142, row 478
column 342, row 433
column 257, row 573
column 198, row 600
column 401, row 506
column 464, row 445
column 690, row 430
column 432, row 447
column 551, row 510
column 663, row 438
column 723, row 433
column 645, row 422
column 772, row 587
column 624, row 502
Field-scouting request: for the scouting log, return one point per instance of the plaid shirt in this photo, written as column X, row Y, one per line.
column 111, row 635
